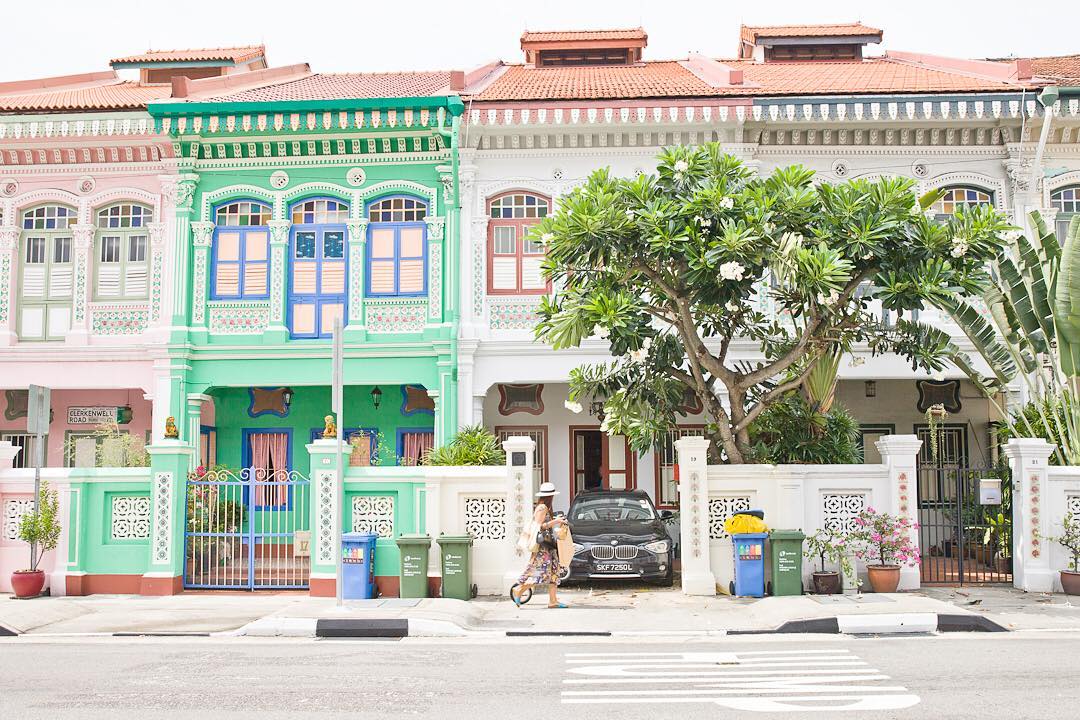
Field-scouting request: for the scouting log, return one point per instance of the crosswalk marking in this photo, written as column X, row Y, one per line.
column 753, row 681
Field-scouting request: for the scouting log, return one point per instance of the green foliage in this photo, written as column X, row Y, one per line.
column 1043, row 418
column 473, row 445
column 672, row 267
column 1070, row 539
column 829, row 545
column 41, row 526
column 115, row 447
column 790, row 431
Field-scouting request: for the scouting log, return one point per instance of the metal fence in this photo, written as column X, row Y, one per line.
column 247, row 530
column 962, row 540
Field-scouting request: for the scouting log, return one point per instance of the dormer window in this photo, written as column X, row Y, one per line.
column 806, row 43
column 583, row 48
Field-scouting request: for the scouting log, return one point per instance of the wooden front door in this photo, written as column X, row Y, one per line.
column 600, row 461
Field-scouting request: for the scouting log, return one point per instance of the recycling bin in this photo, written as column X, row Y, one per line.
column 786, row 554
column 414, row 564
column 358, row 565
column 456, row 566
column 749, row 564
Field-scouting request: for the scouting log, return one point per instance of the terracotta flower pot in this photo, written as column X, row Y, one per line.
column 884, row 578
column 1070, row 582
column 27, row 583
column 826, row 583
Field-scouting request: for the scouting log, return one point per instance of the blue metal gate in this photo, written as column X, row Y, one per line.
column 247, row 531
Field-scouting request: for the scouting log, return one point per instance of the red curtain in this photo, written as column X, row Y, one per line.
column 270, row 461
column 416, row 445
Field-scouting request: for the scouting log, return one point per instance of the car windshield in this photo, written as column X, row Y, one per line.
column 612, row 508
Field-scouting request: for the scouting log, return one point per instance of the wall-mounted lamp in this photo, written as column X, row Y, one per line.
column 597, row 408
column 287, row 396
column 871, row 388
column 376, row 397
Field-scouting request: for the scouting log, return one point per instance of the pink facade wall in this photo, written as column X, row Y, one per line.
column 63, row 399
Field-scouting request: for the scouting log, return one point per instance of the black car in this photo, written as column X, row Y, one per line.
column 618, row 534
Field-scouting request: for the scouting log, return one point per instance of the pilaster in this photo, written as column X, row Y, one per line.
column 435, row 233
column 520, row 451
column 201, row 240
column 325, row 516
column 181, row 191
column 356, row 327
column 900, row 453
column 82, row 241
column 697, row 575
column 9, row 243
column 169, row 464
column 157, row 271
column 1028, row 459
column 276, row 332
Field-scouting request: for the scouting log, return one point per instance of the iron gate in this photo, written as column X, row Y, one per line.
column 247, row 531
column 963, row 541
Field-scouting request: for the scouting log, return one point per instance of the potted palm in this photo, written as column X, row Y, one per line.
column 1070, row 540
column 827, row 545
column 41, row 529
column 883, row 542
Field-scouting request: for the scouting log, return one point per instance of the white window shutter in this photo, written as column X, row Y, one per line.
column 108, row 279
column 503, row 273
column 33, row 285
column 532, row 276
column 135, row 280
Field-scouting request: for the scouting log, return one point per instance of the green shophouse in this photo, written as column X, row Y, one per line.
column 303, row 198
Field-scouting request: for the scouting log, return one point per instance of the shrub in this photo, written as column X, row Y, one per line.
column 790, row 431
column 474, row 445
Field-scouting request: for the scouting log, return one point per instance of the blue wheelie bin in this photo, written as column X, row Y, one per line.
column 358, row 565
column 749, row 564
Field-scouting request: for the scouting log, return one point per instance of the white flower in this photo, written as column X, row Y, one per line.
column 639, row 356
column 857, row 360
column 546, row 238
column 732, row 270
column 704, row 222
column 574, row 407
column 681, row 166
column 647, row 344
column 939, row 376
column 601, row 332
column 727, row 203
column 959, row 250
column 1013, row 235
column 630, row 214
column 732, row 306
column 678, row 176
column 605, row 424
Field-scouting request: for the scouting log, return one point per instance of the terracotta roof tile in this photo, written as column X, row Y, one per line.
column 239, row 54
column 571, row 35
column 115, row 95
column 750, row 33
column 1062, row 68
column 332, row 86
column 671, row 79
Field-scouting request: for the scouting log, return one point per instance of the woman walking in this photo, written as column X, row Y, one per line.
column 539, row 540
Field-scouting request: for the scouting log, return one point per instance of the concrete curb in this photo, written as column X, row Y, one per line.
column 883, row 624
column 8, row 632
column 361, row 628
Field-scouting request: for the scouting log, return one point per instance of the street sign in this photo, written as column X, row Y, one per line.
column 37, row 410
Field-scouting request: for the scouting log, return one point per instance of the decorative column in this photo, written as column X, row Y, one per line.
column 697, row 574
column 520, row 450
column 478, row 285
column 195, row 402
column 202, row 237
column 325, row 517
column 169, row 463
column 1023, row 186
column 466, row 188
column 466, row 349
column 435, row 228
column 82, row 241
column 9, row 243
column 899, row 454
column 1031, row 560
column 440, row 438
column 276, row 332
column 157, row 271
column 356, row 327
column 184, row 191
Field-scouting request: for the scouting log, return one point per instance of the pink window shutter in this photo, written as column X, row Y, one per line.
column 416, row 446
column 279, row 454
column 260, row 464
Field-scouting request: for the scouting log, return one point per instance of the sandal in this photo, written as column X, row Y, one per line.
column 559, row 606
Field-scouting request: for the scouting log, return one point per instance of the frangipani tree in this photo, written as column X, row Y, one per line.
column 679, row 268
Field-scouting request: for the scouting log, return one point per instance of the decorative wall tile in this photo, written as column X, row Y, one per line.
column 435, row 288
column 838, row 511
column 1072, row 506
column 163, row 501
column 396, row 317
column 118, row 319
column 14, row 508
column 485, row 518
column 513, row 313
column 324, row 521
column 130, row 517
column 720, row 509
column 239, row 318
column 373, row 514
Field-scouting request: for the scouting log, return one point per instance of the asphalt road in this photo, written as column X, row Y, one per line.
column 956, row 676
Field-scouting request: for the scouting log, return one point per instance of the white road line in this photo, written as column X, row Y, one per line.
column 836, row 676
column 620, row 655
column 862, row 703
column 738, row 690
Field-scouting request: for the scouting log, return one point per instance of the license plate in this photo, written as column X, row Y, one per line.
column 613, row 567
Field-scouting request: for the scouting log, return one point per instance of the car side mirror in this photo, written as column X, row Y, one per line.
column 665, row 514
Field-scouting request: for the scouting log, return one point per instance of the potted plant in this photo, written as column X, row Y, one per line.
column 883, row 542
column 1070, row 540
column 999, row 535
column 828, row 546
column 41, row 528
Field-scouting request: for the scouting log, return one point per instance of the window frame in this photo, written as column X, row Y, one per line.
column 942, row 216
column 397, row 227
column 49, row 238
column 1060, row 214
column 241, row 262
column 522, row 226
column 316, row 298
column 126, row 236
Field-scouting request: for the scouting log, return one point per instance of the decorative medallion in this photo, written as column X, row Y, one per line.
column 17, row 401
column 939, row 392
column 920, row 169
column 840, row 169
column 86, row 184
column 557, row 174
column 8, row 187
column 267, row 401
column 521, row 399
column 415, row 399
column 279, row 179
column 356, row 177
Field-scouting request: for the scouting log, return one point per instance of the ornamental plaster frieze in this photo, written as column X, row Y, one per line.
column 305, row 121
column 83, row 126
column 29, row 171
column 81, row 155
column 883, row 136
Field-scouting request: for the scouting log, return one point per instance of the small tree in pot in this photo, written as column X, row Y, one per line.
column 1070, row 540
column 828, row 545
column 41, row 528
column 883, row 542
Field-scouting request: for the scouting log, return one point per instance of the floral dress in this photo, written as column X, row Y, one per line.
column 543, row 567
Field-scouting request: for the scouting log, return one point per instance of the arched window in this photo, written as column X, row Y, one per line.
column 317, row 285
column 960, row 198
column 397, row 248
column 1067, row 203
column 514, row 258
column 122, row 252
column 241, row 252
column 47, row 273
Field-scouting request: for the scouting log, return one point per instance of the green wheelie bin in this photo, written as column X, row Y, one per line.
column 786, row 549
column 414, row 565
column 456, row 553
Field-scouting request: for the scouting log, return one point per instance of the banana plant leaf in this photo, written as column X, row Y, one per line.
column 984, row 337
column 1067, row 303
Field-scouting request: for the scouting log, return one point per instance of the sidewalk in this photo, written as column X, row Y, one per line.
column 615, row 610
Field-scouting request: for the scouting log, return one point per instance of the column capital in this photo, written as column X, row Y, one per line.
column 897, row 447
column 9, row 237
column 1028, row 449
column 357, row 229
column 83, row 234
column 435, row 228
column 157, row 233
column 203, row 233
column 279, row 231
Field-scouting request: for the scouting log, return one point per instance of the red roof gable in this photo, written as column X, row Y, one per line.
column 103, row 91
column 333, row 86
column 751, row 33
column 234, row 55
column 572, row 35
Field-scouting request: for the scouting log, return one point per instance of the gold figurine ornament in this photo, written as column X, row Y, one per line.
column 330, row 431
column 171, row 431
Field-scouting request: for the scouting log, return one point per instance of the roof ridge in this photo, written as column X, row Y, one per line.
column 204, row 88
column 57, row 83
column 384, row 72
